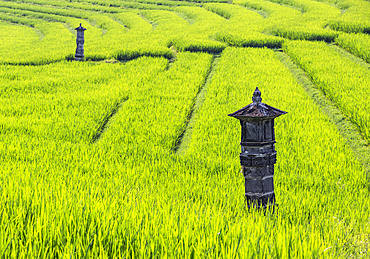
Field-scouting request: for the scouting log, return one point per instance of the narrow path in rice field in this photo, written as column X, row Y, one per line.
column 107, row 119
column 184, row 139
column 347, row 129
column 119, row 104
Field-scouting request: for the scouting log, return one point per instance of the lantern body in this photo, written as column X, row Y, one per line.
column 257, row 158
column 258, row 154
column 79, row 56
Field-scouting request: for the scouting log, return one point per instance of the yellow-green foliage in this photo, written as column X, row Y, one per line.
column 313, row 12
column 297, row 33
column 67, row 101
column 274, row 12
column 90, row 155
column 106, row 38
column 346, row 83
column 355, row 17
column 113, row 32
column 39, row 44
column 129, row 195
column 356, row 43
column 243, row 27
column 199, row 35
column 153, row 116
column 296, row 19
column 252, row 39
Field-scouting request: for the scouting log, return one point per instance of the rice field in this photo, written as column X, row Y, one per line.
column 131, row 154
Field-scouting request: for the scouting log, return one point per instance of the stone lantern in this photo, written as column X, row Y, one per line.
column 80, row 43
column 258, row 154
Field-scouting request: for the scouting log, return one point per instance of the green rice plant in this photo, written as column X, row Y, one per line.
column 252, row 39
column 195, row 45
column 88, row 150
column 355, row 18
column 202, row 23
column 346, row 83
column 104, row 39
column 241, row 29
column 315, row 17
column 43, row 9
column 275, row 12
column 10, row 35
column 246, row 29
column 133, row 21
column 130, row 195
column 165, row 24
column 44, row 43
column 56, row 41
column 172, row 29
column 140, row 39
column 306, row 21
column 217, row 8
column 64, row 3
column 166, row 100
column 47, row 115
column 240, row 19
column 299, row 33
column 169, row 3
column 128, row 4
column 8, row 17
column 238, row 73
column 150, row 51
column 98, row 48
column 321, row 11
column 356, row 43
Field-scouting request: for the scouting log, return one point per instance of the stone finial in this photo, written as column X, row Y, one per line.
column 257, row 96
column 80, row 28
column 257, row 109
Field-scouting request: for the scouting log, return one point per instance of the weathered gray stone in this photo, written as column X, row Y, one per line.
column 80, row 43
column 258, row 154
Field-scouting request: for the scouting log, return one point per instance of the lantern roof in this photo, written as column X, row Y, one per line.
column 80, row 28
column 257, row 109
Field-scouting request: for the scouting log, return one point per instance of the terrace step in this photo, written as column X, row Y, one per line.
column 185, row 138
column 347, row 129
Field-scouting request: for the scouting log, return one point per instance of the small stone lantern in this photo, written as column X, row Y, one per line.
column 258, row 154
column 80, row 43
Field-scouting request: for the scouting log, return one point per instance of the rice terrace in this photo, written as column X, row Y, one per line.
column 130, row 152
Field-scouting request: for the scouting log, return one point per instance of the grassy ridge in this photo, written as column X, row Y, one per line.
column 355, row 17
column 88, row 149
column 346, row 84
column 130, row 195
column 154, row 117
column 295, row 19
column 117, row 33
column 66, row 101
column 356, row 43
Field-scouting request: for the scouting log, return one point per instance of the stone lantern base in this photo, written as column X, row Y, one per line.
column 79, row 58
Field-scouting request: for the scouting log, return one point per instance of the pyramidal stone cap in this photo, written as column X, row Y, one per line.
column 257, row 109
column 80, row 28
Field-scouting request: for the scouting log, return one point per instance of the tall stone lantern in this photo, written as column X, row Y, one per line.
column 80, row 43
column 258, row 154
